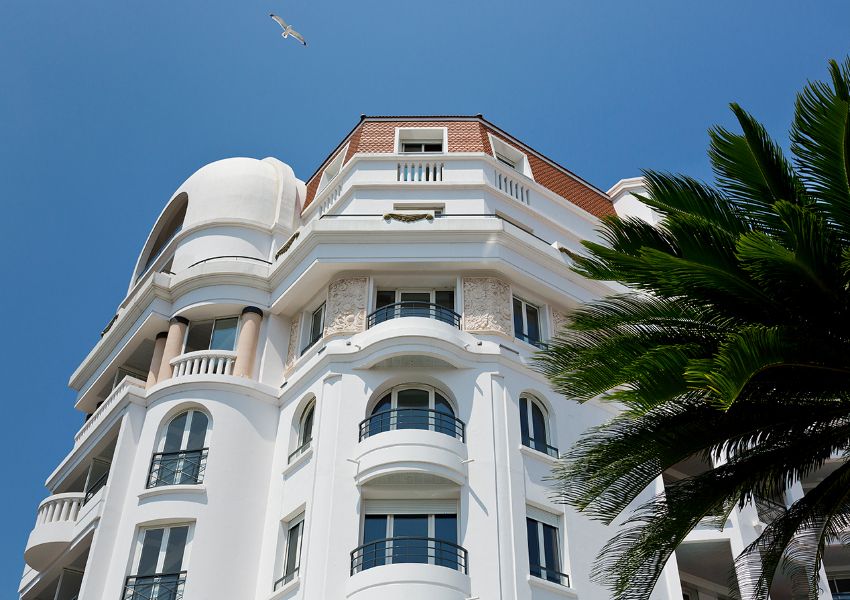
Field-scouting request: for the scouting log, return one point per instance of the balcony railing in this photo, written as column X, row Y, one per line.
column 95, row 487
column 398, row 550
column 204, row 362
column 417, row 170
column 312, row 342
column 177, row 468
column 412, row 418
column 550, row 575
column 285, row 579
column 59, row 508
column 426, row 310
column 540, row 446
column 162, row 586
column 299, row 450
column 531, row 340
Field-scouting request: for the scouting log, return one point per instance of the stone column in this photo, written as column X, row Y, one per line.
column 156, row 360
column 173, row 346
column 246, row 348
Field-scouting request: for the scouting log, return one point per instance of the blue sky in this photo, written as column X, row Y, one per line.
column 106, row 107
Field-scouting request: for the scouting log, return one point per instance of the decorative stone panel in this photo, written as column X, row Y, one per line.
column 292, row 351
column 346, row 308
column 487, row 305
column 559, row 319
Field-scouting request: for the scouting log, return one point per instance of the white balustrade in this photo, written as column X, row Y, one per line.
column 419, row 171
column 513, row 187
column 331, row 199
column 204, row 362
column 59, row 508
column 106, row 407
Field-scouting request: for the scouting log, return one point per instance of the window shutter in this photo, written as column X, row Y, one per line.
column 543, row 516
column 411, row 507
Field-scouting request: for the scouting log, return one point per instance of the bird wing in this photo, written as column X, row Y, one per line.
column 280, row 21
column 297, row 36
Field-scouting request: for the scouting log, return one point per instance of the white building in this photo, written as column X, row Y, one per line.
column 323, row 390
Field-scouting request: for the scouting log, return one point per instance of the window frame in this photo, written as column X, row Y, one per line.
column 160, row 446
column 421, row 135
column 212, row 333
column 530, row 402
column 159, row 449
column 541, row 548
column 313, row 339
column 432, row 391
column 139, row 545
column 403, row 290
column 525, row 305
column 297, row 521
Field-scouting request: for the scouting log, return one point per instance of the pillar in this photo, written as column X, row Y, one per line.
column 246, row 348
column 173, row 346
column 156, row 360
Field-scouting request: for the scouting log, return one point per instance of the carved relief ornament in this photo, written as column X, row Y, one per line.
column 559, row 319
column 292, row 351
column 346, row 306
column 487, row 305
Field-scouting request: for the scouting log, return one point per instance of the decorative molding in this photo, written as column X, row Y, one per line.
column 487, row 305
column 287, row 245
column 408, row 218
column 292, row 351
column 345, row 311
column 559, row 319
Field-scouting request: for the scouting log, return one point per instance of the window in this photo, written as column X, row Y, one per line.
column 526, row 322
column 317, row 324
column 543, row 548
column 412, row 407
column 305, row 431
column 505, row 160
column 216, row 334
column 96, row 478
column 332, row 170
column 292, row 556
column 427, row 303
column 510, row 156
column 423, row 146
column 422, row 531
column 159, row 564
column 840, row 588
column 181, row 456
column 123, row 373
column 533, row 426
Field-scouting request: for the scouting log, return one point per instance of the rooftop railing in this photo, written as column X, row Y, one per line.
column 399, row 550
column 412, row 418
column 425, row 310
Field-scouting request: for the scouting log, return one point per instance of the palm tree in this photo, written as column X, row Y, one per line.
column 733, row 344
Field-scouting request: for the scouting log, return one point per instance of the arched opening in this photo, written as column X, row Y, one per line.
column 414, row 406
column 181, row 455
column 305, row 430
column 534, row 425
column 170, row 225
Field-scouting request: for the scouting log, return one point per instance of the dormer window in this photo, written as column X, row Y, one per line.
column 505, row 160
column 421, row 140
column 332, row 170
column 510, row 156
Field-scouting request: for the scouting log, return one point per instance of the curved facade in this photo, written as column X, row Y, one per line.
column 324, row 389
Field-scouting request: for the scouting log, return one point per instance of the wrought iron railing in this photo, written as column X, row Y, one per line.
column 299, row 450
column 412, row 418
column 175, row 468
column 768, row 510
column 540, row 446
column 550, row 575
column 162, row 586
column 285, row 579
column 531, row 340
column 312, row 342
column 426, row 310
column 397, row 550
column 95, row 487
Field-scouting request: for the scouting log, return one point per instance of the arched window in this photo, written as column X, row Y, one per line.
column 412, row 407
column 305, row 431
column 182, row 455
column 533, row 423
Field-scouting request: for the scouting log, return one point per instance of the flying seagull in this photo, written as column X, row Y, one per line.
column 287, row 29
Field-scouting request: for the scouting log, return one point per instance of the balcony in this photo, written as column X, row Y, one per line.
column 55, row 529
column 163, row 586
column 412, row 418
column 401, row 550
column 426, row 310
column 204, row 362
column 177, row 468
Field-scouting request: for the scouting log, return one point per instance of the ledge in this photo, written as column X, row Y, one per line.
column 541, row 456
column 196, row 488
column 551, row 587
column 288, row 588
column 300, row 459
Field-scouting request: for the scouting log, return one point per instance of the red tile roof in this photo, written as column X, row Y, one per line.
column 376, row 135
